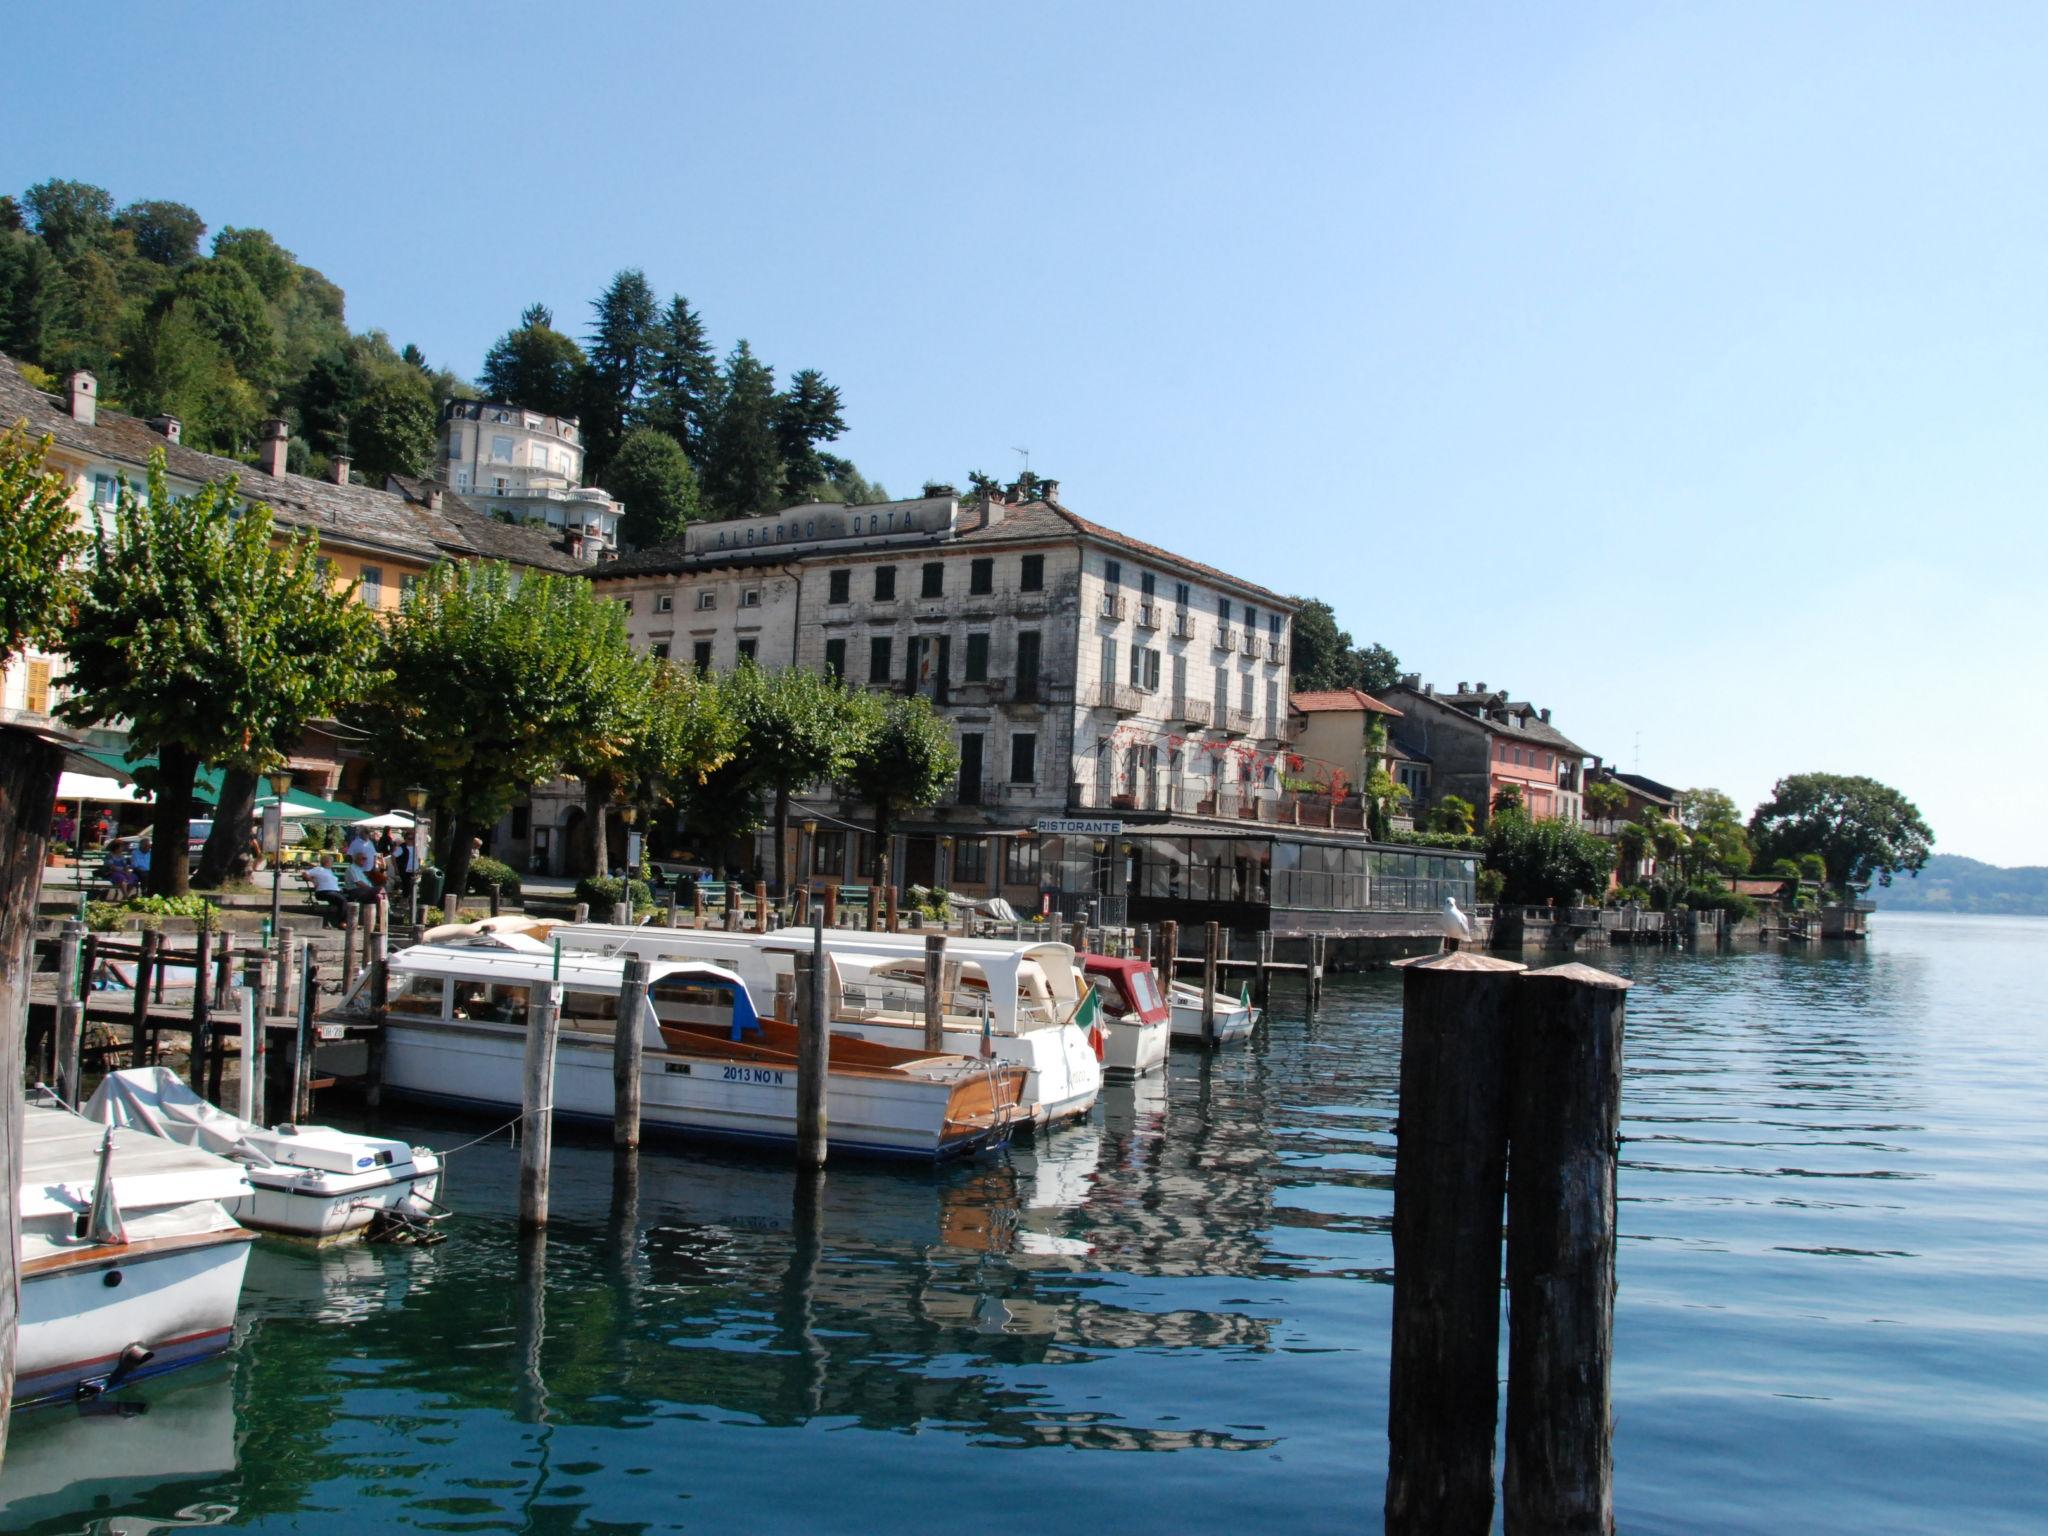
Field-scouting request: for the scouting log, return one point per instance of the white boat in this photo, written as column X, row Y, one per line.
column 712, row 1067
column 130, row 1262
column 1014, row 1002
column 306, row 1181
column 1235, row 1016
column 1137, row 1023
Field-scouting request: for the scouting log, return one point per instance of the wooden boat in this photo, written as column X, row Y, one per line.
column 1235, row 1016
column 712, row 1067
column 130, row 1263
column 1009, row 1002
column 1138, row 1023
column 306, row 1181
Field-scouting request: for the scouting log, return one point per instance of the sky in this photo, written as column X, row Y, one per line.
column 1678, row 368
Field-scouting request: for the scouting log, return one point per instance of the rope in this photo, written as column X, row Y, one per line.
column 487, row 1135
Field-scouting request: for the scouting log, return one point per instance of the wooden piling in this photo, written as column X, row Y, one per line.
column 874, row 908
column 813, row 1048
column 1169, row 949
column 255, row 1039
column 70, row 1033
column 302, row 1045
column 1318, row 954
column 497, row 898
column 1262, row 975
column 281, row 977
column 622, row 914
column 697, row 904
column 351, row 918
column 675, row 916
column 1564, row 1122
column 934, row 996
column 628, row 1041
column 831, row 906
column 380, row 1004
column 222, row 996
column 760, row 906
column 800, row 909
column 785, row 996
column 1449, row 1168
column 537, row 1102
column 146, row 966
column 1212, row 938
column 202, row 1007
column 889, row 897
column 581, row 912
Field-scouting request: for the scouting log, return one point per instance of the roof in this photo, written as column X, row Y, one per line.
column 355, row 515
column 1647, row 789
column 1153, row 552
column 1494, row 711
column 1320, row 701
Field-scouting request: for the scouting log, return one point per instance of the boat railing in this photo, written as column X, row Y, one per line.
column 868, row 999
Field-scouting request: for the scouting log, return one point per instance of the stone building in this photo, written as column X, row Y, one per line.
column 1081, row 670
column 1478, row 741
column 505, row 459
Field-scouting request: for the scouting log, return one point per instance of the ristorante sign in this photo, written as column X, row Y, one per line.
column 800, row 527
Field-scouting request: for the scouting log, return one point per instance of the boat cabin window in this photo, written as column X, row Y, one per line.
column 419, row 994
column 1114, row 1003
column 587, row 1008
column 490, row 1002
column 1145, row 986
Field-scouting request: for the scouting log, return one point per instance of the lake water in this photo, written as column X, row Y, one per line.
column 1833, row 1308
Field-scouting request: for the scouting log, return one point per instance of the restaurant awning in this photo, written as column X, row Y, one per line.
column 298, row 803
column 97, row 789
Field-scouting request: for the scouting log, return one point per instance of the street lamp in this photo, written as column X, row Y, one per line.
column 630, row 813
column 273, row 823
column 807, row 852
column 416, row 801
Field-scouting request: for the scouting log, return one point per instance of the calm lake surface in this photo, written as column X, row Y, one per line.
column 1833, row 1312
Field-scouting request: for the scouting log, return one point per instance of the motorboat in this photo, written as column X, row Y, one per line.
column 1236, row 1017
column 130, row 1262
column 1137, row 1020
column 712, row 1066
column 1010, row 1002
column 306, row 1181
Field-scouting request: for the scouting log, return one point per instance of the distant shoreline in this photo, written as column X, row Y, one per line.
column 1967, row 888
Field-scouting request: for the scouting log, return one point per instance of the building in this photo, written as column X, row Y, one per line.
column 1478, row 743
column 380, row 539
column 1341, row 735
column 507, row 460
column 1645, row 797
column 1082, row 670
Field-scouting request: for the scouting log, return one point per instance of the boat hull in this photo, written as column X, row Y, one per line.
column 1234, row 1020
column 1062, row 1077
column 175, row 1297
column 1131, row 1048
column 689, row 1095
column 335, row 1209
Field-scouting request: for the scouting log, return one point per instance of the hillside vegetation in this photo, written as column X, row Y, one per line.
column 1952, row 883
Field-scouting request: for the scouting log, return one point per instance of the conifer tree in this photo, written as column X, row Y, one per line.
column 682, row 380
column 535, row 366
column 806, row 415
column 742, row 469
column 623, row 339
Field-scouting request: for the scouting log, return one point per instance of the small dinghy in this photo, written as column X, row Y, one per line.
column 306, row 1181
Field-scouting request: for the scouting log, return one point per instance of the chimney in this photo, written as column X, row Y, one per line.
column 433, row 498
column 277, row 438
column 338, row 467
column 1429, row 690
column 1049, row 490
column 1543, row 715
column 170, row 426
column 1461, row 688
column 1476, row 687
column 85, row 398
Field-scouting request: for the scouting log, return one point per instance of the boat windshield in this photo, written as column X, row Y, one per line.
column 1146, row 988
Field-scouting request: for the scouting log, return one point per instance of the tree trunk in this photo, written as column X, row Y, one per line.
column 592, row 848
column 881, row 862
column 170, row 860
column 233, row 819
column 457, row 864
column 781, row 843
column 28, row 790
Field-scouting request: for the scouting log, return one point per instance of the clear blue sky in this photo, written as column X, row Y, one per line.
column 1677, row 367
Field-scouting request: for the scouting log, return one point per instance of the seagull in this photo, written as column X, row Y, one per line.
column 1456, row 924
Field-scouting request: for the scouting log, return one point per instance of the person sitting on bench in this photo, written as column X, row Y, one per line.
column 326, row 893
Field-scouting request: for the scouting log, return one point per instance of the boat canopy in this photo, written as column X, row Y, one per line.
column 514, row 960
column 60, row 1167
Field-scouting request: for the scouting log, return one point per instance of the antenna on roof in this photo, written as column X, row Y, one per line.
column 1027, row 458
column 1638, row 768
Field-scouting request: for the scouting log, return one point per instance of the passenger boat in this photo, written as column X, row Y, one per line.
column 712, row 1067
column 1016, row 1003
column 1138, row 1022
column 130, row 1262
column 306, row 1181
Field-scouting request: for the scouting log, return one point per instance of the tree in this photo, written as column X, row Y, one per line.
column 395, row 425
column 70, row 214
column 1861, row 829
column 1453, row 814
column 495, row 681
column 165, row 233
column 40, row 544
column 806, row 414
column 535, row 366
column 1606, row 799
column 216, row 642
column 29, row 280
column 1546, row 861
column 226, row 301
column 1378, row 668
column 682, row 377
column 1507, row 800
column 624, row 339
column 741, row 472
column 908, row 761
column 1716, row 841
column 651, row 475
column 798, row 727
column 173, row 366
column 1320, row 651
column 273, row 269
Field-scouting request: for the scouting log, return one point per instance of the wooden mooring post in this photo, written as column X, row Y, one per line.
column 1169, row 954
column 1449, row 1173
column 889, row 899
column 1261, row 976
column 302, row 1043
column 934, row 997
column 255, row 1052
column 380, row 1004
column 537, row 1097
column 202, row 1007
column 831, row 906
column 70, row 1033
column 696, row 903
column 675, row 916
column 146, row 966
column 1564, row 1126
column 622, row 914
column 1212, row 939
column 1318, row 954
column 761, row 924
column 351, row 920
column 628, row 1041
column 813, row 1060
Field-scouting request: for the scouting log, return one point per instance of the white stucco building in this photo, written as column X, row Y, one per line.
column 505, row 458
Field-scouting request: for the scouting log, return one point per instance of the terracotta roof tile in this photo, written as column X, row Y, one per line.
column 1331, row 700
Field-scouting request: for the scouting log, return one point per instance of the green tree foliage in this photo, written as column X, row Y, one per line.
column 651, row 475
column 273, row 269
column 843, row 483
column 1324, row 656
column 807, row 414
column 40, row 544
column 1717, row 843
column 908, row 761
column 1606, row 799
column 217, row 643
column 395, row 425
column 1545, row 861
column 1507, row 800
column 797, row 727
column 29, row 281
column 70, row 215
column 535, row 366
column 624, row 343
column 164, row 232
column 173, row 366
column 683, row 379
column 495, row 682
column 1861, row 829
column 741, row 472
column 1453, row 814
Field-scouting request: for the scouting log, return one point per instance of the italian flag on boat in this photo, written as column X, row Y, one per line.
column 1087, row 1019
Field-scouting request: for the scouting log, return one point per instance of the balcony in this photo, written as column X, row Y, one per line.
column 1237, row 721
column 1148, row 615
column 1226, row 638
column 1183, row 625
column 1250, row 644
column 1121, row 697
column 1276, row 652
column 1192, row 711
column 1112, row 607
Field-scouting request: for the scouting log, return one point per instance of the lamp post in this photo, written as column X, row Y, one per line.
column 273, row 828
column 808, row 853
column 416, row 802
column 630, row 813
